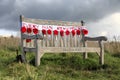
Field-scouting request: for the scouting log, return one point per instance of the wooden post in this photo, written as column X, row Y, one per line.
column 22, row 41
column 44, row 41
column 37, row 53
column 75, row 40
column 62, row 41
column 101, row 57
column 85, row 55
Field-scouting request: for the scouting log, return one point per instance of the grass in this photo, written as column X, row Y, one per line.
column 58, row 66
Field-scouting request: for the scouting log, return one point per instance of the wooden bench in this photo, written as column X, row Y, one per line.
column 42, row 36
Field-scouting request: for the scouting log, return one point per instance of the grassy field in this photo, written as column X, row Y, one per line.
column 58, row 66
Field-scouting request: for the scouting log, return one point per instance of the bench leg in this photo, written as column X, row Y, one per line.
column 37, row 59
column 101, row 52
column 101, row 57
column 85, row 55
column 23, row 56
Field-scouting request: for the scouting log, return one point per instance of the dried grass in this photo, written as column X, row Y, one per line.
column 9, row 42
column 13, row 43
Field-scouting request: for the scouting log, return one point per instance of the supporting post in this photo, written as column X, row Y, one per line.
column 22, row 50
column 85, row 55
column 101, row 57
column 37, row 53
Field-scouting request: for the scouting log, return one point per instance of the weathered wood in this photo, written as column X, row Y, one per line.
column 85, row 54
column 26, row 36
column 57, row 43
column 37, row 55
column 51, row 22
column 44, row 41
column 101, row 38
column 22, row 40
column 28, row 49
column 101, row 60
column 70, row 49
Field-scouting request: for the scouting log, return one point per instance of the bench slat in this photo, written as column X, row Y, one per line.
column 70, row 49
column 51, row 22
column 29, row 49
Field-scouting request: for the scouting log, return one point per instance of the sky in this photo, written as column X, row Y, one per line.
column 101, row 17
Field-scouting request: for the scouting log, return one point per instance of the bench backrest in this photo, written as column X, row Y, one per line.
column 54, row 33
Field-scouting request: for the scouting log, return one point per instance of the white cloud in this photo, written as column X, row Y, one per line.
column 108, row 26
column 103, row 33
column 7, row 33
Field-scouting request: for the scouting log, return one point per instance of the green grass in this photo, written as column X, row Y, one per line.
column 59, row 67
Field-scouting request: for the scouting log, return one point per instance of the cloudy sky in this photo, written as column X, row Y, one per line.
column 102, row 17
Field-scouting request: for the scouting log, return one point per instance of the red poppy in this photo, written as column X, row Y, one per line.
column 61, row 32
column 35, row 30
column 73, row 32
column 49, row 31
column 28, row 40
column 55, row 32
column 85, row 31
column 67, row 32
column 43, row 31
column 29, row 30
column 23, row 29
column 78, row 32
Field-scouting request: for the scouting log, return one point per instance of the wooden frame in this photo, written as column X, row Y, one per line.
column 39, row 39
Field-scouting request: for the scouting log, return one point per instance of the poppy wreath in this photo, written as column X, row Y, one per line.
column 73, row 32
column 85, row 31
column 61, row 32
column 29, row 30
column 35, row 30
column 49, row 32
column 67, row 32
column 55, row 32
column 78, row 32
column 43, row 31
column 23, row 29
column 28, row 40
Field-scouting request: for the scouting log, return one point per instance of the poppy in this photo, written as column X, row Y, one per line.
column 49, row 31
column 78, row 32
column 67, row 32
column 28, row 40
column 35, row 30
column 73, row 32
column 23, row 29
column 43, row 31
column 85, row 31
column 29, row 30
column 55, row 32
column 61, row 32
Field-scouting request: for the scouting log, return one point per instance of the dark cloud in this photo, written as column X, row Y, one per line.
column 70, row 10
column 6, row 7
